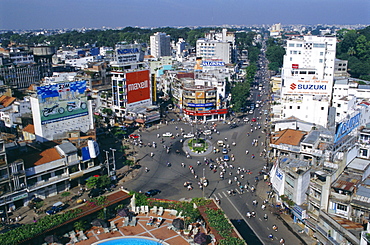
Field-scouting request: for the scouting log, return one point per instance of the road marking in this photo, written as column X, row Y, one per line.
column 220, row 195
column 224, row 194
column 237, row 210
column 260, row 219
column 238, row 191
column 268, row 228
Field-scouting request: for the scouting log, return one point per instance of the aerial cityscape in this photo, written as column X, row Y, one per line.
column 168, row 122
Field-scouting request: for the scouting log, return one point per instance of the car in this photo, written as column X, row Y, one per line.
column 226, row 158
column 250, row 111
column 224, row 151
column 220, row 143
column 246, row 119
column 207, row 132
column 57, row 207
column 95, row 192
column 168, row 134
column 234, row 126
column 265, row 112
column 151, row 193
column 134, row 136
column 189, row 135
column 254, row 120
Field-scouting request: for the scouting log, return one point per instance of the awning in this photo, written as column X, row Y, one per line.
column 128, row 121
column 139, row 120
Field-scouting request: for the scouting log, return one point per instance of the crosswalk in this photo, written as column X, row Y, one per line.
column 225, row 194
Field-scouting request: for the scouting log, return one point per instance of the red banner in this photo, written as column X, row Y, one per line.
column 138, row 86
column 205, row 113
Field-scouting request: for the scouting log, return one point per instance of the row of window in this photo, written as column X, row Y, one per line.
column 299, row 107
column 298, row 45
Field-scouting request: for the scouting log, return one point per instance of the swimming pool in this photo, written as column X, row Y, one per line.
column 131, row 240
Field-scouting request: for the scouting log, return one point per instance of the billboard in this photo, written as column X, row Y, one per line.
column 200, row 95
column 129, row 53
column 308, row 87
column 62, row 101
column 213, row 63
column 137, row 86
column 346, row 127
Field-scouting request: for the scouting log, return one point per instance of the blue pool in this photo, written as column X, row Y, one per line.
column 130, row 241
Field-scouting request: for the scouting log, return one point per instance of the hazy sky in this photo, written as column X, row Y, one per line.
column 49, row 14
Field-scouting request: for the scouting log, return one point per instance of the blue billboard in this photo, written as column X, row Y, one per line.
column 213, row 63
column 62, row 101
column 201, row 105
column 344, row 128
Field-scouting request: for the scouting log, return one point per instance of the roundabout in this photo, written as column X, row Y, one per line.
column 197, row 147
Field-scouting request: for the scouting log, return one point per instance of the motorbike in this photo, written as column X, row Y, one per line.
column 52, row 110
column 71, row 106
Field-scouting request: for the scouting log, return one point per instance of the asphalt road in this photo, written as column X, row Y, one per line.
column 170, row 180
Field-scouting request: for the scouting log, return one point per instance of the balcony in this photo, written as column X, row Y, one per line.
column 313, row 152
column 44, row 183
column 340, row 197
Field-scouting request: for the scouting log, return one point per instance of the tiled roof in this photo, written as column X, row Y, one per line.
column 6, row 100
column 287, row 136
column 29, row 129
column 43, row 157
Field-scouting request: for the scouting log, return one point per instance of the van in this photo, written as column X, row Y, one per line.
column 220, row 143
column 57, row 207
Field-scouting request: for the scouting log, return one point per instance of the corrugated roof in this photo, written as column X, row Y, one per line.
column 312, row 137
column 67, row 147
column 287, row 136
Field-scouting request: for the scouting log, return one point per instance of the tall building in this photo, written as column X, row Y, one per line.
column 307, row 78
column 131, row 85
column 160, row 45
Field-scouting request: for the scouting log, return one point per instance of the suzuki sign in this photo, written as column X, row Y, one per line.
column 309, row 87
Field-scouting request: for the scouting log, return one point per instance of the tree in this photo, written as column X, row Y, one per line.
column 98, row 182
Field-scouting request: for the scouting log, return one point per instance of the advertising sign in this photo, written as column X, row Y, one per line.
column 344, row 128
column 200, row 95
column 138, row 86
column 308, row 87
column 213, row 63
column 295, row 66
column 129, row 53
column 205, row 113
column 62, row 101
column 201, row 105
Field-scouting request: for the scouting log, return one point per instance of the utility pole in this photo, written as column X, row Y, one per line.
column 114, row 159
column 107, row 160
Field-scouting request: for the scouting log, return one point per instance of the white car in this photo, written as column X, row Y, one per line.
column 246, row 119
column 207, row 132
column 168, row 134
column 189, row 135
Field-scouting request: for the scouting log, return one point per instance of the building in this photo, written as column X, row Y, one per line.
column 214, row 49
column 60, row 108
column 160, row 45
column 307, row 78
column 131, row 83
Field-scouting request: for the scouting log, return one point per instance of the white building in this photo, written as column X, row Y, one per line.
column 308, row 75
column 80, row 63
column 214, row 49
column 160, row 45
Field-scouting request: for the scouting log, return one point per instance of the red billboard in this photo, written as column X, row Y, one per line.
column 205, row 113
column 138, row 86
column 295, row 66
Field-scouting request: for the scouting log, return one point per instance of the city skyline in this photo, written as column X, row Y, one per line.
column 41, row 14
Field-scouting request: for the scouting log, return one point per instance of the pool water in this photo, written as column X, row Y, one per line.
column 130, row 241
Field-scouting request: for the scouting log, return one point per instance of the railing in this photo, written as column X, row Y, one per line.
column 50, row 181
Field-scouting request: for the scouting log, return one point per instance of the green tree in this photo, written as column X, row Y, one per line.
column 98, row 182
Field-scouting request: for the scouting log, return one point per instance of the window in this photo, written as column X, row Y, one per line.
column 321, row 53
column 298, row 107
column 291, row 44
column 339, row 105
column 290, row 107
column 321, row 60
column 291, row 59
column 294, row 52
column 341, row 207
column 322, row 108
column 299, row 45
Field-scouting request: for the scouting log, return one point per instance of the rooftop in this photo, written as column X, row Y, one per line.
column 287, row 136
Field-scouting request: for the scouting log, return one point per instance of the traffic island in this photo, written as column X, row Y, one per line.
column 197, row 147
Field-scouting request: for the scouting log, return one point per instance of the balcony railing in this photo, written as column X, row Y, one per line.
column 50, row 181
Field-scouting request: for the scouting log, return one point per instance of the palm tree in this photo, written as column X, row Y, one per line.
column 80, row 225
column 351, row 51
